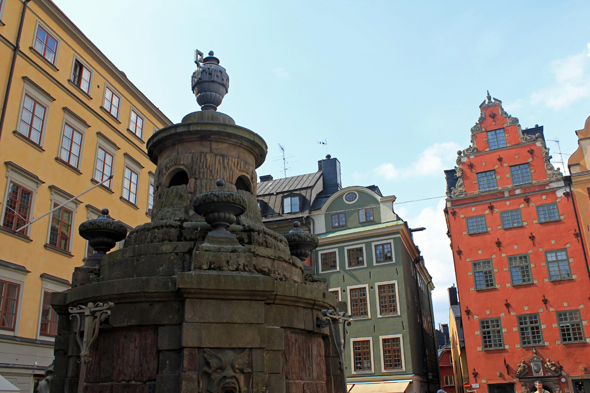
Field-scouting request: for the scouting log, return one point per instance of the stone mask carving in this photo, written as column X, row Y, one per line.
column 226, row 372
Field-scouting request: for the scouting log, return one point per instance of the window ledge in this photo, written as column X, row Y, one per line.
column 39, row 55
column 355, row 267
column 512, row 227
column 17, row 235
column 574, row 342
column 485, row 289
column 360, row 318
column 384, row 263
column 27, row 140
column 477, row 233
column 79, row 89
column 135, row 136
column 549, row 221
column 561, row 279
column 389, row 316
column 58, row 250
column 68, row 165
column 129, row 203
column 110, row 114
column 102, row 186
column 522, row 284
column 148, row 214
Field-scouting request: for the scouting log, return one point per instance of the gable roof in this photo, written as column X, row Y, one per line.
column 288, row 184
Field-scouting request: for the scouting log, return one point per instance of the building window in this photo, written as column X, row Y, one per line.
column 529, row 327
column 130, row 185
column 150, row 197
column 111, row 102
column 9, row 292
column 338, row 220
column 476, row 224
column 362, row 355
column 104, row 167
column 392, row 353
column 355, row 256
column 336, row 293
column 521, row 174
column 350, row 197
column 558, row 265
column 387, row 299
column 491, row 333
column 483, row 274
column 548, row 212
column 359, row 307
column 511, row 219
column 81, row 76
column 328, row 261
column 18, row 208
column 383, row 253
column 32, row 119
column 61, row 223
column 448, row 381
column 291, row 204
column 487, row 181
column 71, row 146
column 366, row 214
column 496, row 139
column 46, row 45
column 136, row 124
column 520, row 269
column 570, row 326
column 48, row 317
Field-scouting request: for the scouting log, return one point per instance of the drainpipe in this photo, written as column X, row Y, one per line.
column 12, row 66
column 568, row 180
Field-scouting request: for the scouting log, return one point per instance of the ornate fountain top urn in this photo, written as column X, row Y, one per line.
column 210, row 81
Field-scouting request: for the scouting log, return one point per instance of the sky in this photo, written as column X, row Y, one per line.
column 393, row 88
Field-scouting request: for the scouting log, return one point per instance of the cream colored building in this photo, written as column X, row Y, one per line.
column 70, row 119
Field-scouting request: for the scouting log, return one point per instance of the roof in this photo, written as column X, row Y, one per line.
column 288, row 184
column 360, row 229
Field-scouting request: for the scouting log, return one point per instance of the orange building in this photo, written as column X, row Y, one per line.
column 521, row 269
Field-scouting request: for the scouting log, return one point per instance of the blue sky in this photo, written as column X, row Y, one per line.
column 393, row 87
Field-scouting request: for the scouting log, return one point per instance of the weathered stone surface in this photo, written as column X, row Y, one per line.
column 229, row 311
column 273, row 361
column 167, row 383
column 284, row 316
column 170, row 362
column 225, row 285
column 169, row 337
column 304, row 357
column 276, row 383
column 152, row 313
column 214, row 335
column 275, row 338
column 129, row 289
column 188, row 382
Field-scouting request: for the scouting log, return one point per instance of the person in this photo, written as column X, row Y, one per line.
column 539, row 387
column 441, row 391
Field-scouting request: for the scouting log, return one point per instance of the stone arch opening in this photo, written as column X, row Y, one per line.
column 178, row 177
column 243, row 183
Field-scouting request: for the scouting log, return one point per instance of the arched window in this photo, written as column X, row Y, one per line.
column 243, row 183
column 178, row 177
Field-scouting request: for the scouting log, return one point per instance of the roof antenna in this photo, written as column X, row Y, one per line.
column 325, row 144
column 560, row 155
column 284, row 160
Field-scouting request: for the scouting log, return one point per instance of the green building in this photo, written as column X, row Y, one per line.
column 369, row 259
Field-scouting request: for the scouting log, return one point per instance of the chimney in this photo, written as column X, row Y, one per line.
column 330, row 168
column 453, row 296
column 265, row 178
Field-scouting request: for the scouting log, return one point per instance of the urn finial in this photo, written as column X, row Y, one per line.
column 210, row 81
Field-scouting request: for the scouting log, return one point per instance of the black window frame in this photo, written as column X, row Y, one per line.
column 578, row 323
column 487, row 332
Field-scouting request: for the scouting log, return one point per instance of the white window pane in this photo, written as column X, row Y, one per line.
column 40, row 111
column 64, row 154
column 74, row 161
column 109, row 160
column 36, row 136
column 29, row 103
column 27, row 116
column 78, row 138
column 23, row 128
column 68, row 131
column 101, row 154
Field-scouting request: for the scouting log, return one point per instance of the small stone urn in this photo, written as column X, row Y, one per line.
column 102, row 234
column 300, row 243
column 210, row 81
column 220, row 208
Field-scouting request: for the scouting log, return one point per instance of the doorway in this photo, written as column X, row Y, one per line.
column 501, row 388
column 581, row 385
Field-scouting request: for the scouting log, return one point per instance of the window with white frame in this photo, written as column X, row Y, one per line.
column 62, row 219
column 328, row 261
column 12, row 279
column 383, row 252
column 392, row 353
column 362, row 355
column 448, row 380
column 136, row 124
column 34, row 110
column 386, row 294
column 111, row 102
column 335, row 292
column 131, row 179
column 151, row 191
column 19, row 198
column 291, row 204
column 81, row 76
column 358, row 301
column 71, row 146
column 104, row 167
column 46, row 44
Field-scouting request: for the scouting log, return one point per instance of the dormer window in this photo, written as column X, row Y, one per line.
column 291, row 204
column 496, row 139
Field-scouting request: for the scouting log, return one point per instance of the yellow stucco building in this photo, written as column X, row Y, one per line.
column 70, row 119
column 579, row 166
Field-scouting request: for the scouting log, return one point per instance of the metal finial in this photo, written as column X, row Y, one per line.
column 211, row 53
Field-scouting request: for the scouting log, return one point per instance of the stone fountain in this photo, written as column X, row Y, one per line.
column 204, row 298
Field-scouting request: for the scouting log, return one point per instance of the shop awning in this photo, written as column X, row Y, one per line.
column 6, row 386
column 378, row 387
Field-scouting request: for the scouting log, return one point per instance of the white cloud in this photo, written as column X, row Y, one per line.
column 434, row 245
column 281, row 73
column 433, row 160
column 572, row 82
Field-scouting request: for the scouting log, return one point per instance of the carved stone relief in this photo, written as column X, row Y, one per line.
column 226, row 371
column 459, row 189
column 552, row 173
